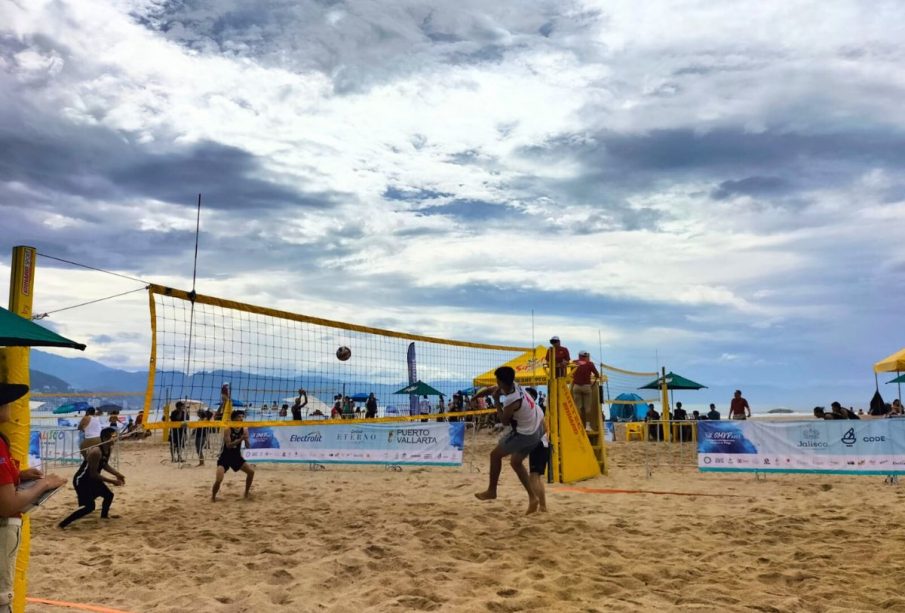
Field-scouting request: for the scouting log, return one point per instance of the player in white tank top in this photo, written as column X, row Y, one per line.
column 517, row 409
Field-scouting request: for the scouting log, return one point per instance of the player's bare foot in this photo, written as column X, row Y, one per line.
column 488, row 495
column 532, row 505
column 543, row 508
column 110, row 517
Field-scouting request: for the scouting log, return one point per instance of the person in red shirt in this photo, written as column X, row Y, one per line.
column 583, row 376
column 558, row 355
column 739, row 408
column 14, row 502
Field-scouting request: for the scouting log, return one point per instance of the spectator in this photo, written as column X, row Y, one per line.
column 371, row 406
column 113, row 421
column 819, row 413
column 738, row 408
column 582, row 391
column 201, row 435
column 337, row 411
column 840, row 412
column 696, row 416
column 177, row 433
column 713, row 413
column 284, row 410
column 542, row 401
column 680, row 414
column 424, row 407
column 895, row 409
column 860, row 412
column 559, row 356
column 300, row 403
column 90, row 427
column 654, row 428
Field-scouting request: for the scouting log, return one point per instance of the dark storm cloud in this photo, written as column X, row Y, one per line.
column 403, row 194
column 751, row 186
column 96, row 163
column 681, row 150
column 472, row 210
column 772, row 165
column 358, row 44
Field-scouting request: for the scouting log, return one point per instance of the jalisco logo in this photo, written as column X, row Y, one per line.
column 810, row 439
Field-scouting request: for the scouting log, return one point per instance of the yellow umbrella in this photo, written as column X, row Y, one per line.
column 893, row 363
column 529, row 369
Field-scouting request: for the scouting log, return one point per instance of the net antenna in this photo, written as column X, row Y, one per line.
column 193, row 294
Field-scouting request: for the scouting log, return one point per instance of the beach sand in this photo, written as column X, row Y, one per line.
column 352, row 539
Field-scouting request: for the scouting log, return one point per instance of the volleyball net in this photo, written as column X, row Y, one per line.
column 283, row 368
column 622, row 391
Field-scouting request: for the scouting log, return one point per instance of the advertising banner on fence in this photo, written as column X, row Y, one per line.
column 862, row 447
column 412, row 443
column 55, row 445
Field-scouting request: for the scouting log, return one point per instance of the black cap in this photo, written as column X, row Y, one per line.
column 10, row 392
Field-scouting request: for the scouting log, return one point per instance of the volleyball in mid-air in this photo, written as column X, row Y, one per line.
column 343, row 353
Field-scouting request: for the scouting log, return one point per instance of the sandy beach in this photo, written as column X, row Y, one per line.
column 349, row 539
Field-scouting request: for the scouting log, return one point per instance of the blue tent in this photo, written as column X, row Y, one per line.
column 628, row 412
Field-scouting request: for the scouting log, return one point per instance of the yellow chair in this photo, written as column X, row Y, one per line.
column 635, row 431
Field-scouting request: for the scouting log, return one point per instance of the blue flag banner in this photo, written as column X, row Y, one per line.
column 858, row 447
column 435, row 444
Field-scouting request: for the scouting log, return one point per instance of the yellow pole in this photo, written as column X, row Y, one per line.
column 554, row 414
column 14, row 369
column 664, row 390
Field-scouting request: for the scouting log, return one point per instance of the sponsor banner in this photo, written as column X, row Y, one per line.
column 432, row 443
column 54, row 445
column 866, row 447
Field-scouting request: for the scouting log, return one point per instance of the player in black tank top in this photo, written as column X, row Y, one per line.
column 90, row 484
column 231, row 456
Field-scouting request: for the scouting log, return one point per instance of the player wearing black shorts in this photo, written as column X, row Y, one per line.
column 90, row 484
column 538, row 460
column 231, row 456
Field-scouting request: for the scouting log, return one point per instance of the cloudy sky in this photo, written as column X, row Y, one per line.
column 717, row 187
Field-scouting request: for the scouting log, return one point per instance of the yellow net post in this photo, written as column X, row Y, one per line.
column 14, row 369
column 664, row 390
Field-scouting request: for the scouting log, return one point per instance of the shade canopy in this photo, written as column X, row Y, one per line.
column 17, row 331
column 673, row 382
column 529, row 369
column 893, row 363
column 899, row 379
column 71, row 407
column 419, row 388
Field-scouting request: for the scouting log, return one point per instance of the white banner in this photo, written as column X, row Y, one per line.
column 410, row 443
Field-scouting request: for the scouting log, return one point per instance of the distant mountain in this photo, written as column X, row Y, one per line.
column 87, row 375
column 43, row 382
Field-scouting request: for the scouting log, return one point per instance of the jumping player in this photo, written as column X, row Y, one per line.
column 90, row 484
column 514, row 407
column 231, row 456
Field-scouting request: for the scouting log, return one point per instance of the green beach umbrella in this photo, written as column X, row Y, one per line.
column 899, row 379
column 673, row 382
column 17, row 331
column 419, row 388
